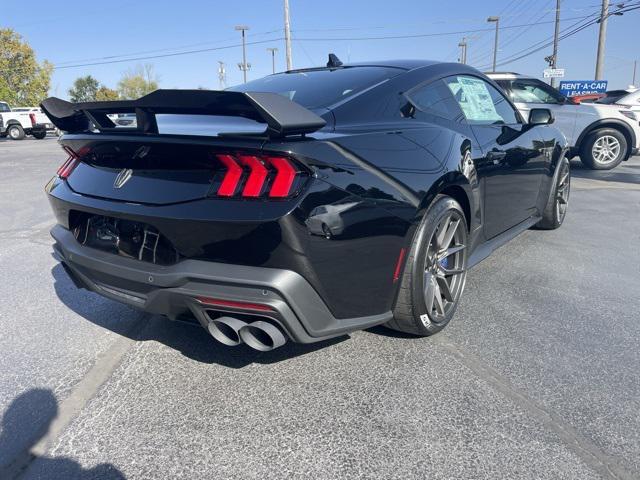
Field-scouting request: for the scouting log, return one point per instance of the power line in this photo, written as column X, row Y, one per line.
column 514, row 35
column 423, row 35
column 167, row 49
column 190, row 52
column 531, row 50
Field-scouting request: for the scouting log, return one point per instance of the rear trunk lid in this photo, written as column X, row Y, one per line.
column 159, row 158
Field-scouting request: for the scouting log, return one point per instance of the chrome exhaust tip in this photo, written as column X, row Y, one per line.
column 262, row 336
column 226, row 330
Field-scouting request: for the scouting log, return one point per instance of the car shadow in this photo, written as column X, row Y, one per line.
column 24, row 423
column 189, row 338
column 388, row 332
column 626, row 172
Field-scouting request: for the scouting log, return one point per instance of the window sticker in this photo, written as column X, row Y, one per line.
column 475, row 100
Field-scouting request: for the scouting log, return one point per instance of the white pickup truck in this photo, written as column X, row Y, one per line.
column 26, row 121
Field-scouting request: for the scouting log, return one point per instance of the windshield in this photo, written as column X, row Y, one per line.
column 320, row 88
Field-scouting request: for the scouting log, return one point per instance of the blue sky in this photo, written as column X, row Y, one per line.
column 72, row 32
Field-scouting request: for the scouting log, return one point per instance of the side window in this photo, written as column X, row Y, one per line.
column 436, row 99
column 533, row 91
column 481, row 103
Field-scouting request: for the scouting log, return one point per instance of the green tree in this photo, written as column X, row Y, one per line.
column 84, row 89
column 138, row 82
column 23, row 81
column 106, row 94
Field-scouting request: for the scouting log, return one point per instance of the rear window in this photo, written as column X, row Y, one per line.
column 320, row 88
column 4, row 107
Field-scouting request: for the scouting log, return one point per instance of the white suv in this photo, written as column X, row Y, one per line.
column 602, row 135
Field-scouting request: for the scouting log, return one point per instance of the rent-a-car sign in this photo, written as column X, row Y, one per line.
column 571, row 88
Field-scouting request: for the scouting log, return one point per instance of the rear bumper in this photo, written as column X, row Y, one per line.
column 172, row 290
column 635, row 151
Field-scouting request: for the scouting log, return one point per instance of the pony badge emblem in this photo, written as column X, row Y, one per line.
column 123, row 177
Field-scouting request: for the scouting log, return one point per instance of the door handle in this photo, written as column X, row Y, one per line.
column 496, row 156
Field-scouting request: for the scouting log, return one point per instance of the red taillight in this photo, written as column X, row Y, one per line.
column 231, row 176
column 265, row 176
column 234, row 304
column 32, row 117
column 286, row 174
column 67, row 167
column 257, row 175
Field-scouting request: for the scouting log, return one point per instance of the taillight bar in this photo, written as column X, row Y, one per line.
column 68, row 166
column 231, row 177
column 257, row 175
column 253, row 176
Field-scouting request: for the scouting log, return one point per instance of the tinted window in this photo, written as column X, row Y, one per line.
column 530, row 90
column 436, row 99
column 4, row 107
column 320, row 88
column 481, row 103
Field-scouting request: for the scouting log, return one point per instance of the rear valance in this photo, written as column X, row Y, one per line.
column 281, row 115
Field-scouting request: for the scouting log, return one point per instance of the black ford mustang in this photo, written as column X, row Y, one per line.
column 306, row 204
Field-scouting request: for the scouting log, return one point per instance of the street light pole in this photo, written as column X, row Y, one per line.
column 602, row 37
column 556, row 35
column 287, row 35
column 243, row 66
column 635, row 63
column 495, row 43
column 463, row 51
column 273, row 58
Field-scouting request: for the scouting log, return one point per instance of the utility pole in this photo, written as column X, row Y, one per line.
column 602, row 37
column 273, row 58
column 463, row 51
column 244, row 66
column 635, row 62
column 222, row 76
column 495, row 43
column 556, row 35
column 287, row 35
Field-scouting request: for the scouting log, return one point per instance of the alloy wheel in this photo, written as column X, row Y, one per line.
column 562, row 192
column 444, row 269
column 14, row 133
column 606, row 149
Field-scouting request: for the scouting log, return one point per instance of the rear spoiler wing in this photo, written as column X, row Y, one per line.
column 282, row 116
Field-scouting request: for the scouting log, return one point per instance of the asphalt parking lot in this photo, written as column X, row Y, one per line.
column 538, row 376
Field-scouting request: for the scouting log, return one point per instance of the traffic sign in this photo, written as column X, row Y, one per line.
column 553, row 72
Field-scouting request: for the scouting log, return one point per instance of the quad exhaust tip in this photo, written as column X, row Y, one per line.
column 226, row 330
column 259, row 335
column 262, row 336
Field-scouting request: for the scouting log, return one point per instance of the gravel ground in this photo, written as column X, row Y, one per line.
column 538, row 376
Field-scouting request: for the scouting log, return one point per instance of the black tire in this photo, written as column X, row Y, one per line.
column 556, row 208
column 15, row 132
column 602, row 135
column 412, row 312
column 39, row 135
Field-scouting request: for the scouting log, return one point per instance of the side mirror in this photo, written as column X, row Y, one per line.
column 540, row 116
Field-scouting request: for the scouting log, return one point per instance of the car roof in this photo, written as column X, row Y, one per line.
column 629, row 97
column 506, row 75
column 402, row 64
